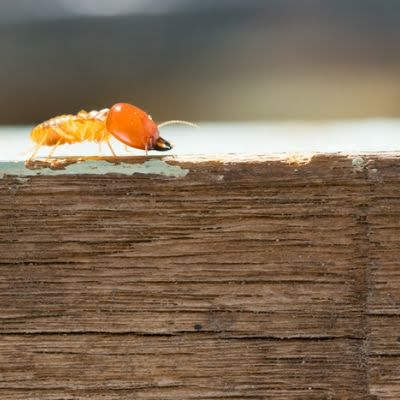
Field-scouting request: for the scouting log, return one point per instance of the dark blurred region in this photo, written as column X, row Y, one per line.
column 200, row 60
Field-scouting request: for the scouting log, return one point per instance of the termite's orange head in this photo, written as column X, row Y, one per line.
column 135, row 128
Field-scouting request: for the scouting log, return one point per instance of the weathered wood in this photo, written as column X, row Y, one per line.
column 243, row 279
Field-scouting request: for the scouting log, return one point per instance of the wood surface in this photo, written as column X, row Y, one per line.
column 246, row 279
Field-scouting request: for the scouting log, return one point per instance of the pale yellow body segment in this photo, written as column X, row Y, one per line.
column 72, row 129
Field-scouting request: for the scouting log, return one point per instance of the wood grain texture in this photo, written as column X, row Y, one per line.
column 243, row 280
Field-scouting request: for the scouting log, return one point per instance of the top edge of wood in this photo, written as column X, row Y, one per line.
column 173, row 166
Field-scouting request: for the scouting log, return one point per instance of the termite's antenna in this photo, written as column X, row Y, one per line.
column 178, row 122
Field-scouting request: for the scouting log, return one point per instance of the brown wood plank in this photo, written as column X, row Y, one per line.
column 384, row 294
column 183, row 366
column 243, row 279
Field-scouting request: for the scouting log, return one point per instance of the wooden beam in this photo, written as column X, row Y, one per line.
column 245, row 278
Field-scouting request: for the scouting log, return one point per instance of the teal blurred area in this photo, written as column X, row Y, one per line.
column 201, row 60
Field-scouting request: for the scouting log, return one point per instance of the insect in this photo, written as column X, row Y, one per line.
column 126, row 122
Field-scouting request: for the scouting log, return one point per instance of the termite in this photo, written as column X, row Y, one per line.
column 127, row 123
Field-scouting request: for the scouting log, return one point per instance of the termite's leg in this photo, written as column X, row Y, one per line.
column 110, row 147
column 127, row 149
column 102, row 136
column 35, row 151
column 37, row 147
column 53, row 150
column 27, row 151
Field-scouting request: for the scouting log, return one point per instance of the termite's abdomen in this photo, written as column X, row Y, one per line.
column 71, row 129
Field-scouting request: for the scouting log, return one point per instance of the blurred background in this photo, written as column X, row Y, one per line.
column 201, row 60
